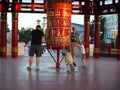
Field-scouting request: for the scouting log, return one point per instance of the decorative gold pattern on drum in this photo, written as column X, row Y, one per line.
column 59, row 22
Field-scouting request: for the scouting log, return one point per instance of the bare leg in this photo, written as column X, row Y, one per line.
column 30, row 61
column 83, row 62
column 83, row 59
column 67, row 67
column 73, row 54
column 37, row 62
column 72, row 67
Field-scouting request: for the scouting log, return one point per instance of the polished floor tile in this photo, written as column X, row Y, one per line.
column 101, row 74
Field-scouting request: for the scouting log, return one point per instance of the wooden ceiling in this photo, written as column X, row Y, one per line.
column 82, row 7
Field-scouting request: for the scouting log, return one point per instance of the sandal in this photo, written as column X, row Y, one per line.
column 37, row 69
column 28, row 68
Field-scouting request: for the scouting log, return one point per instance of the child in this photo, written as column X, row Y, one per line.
column 82, row 51
column 69, row 59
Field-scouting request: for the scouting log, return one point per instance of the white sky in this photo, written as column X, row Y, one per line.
column 27, row 20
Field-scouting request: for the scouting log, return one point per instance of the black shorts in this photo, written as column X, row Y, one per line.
column 35, row 49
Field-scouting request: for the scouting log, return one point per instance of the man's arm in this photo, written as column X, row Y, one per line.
column 43, row 39
column 77, row 38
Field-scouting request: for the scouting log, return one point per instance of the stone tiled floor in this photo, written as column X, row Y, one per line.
column 101, row 74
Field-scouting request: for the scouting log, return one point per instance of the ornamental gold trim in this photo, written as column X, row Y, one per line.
column 97, row 22
column 96, row 50
column 14, row 20
column 87, row 50
column 15, row 49
column 118, row 51
column 97, row 16
column 3, row 20
column 2, row 49
column 87, row 22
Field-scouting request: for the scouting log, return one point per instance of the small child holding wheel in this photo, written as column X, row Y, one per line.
column 69, row 59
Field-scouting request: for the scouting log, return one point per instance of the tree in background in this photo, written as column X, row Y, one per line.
column 24, row 35
column 44, row 24
column 92, row 31
column 102, row 29
column 8, row 29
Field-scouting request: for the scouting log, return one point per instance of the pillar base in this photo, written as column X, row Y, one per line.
column 118, row 57
column 87, row 55
column 58, row 65
column 14, row 55
column 96, row 55
column 3, row 55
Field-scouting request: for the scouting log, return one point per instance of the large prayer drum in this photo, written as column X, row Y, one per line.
column 58, row 23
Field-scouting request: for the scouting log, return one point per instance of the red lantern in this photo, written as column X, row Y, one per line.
column 18, row 7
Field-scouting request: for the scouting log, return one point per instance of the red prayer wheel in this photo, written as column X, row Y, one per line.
column 58, row 23
column 0, row 7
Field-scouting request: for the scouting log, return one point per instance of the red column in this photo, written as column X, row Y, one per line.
column 58, row 58
column 118, row 40
column 14, row 34
column 96, row 53
column 0, row 34
column 3, row 30
column 87, row 34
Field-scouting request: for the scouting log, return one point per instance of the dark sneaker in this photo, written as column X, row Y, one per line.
column 28, row 68
column 74, row 64
column 72, row 69
column 37, row 69
column 84, row 67
column 68, row 71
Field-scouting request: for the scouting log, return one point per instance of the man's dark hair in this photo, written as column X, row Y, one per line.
column 38, row 26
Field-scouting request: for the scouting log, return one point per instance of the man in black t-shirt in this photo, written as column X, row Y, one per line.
column 37, row 38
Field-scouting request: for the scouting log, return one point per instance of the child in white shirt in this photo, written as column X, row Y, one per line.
column 83, row 56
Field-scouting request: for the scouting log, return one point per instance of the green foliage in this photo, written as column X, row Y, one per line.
column 8, row 29
column 102, row 29
column 24, row 35
column 102, row 43
column 92, row 40
column 92, row 29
